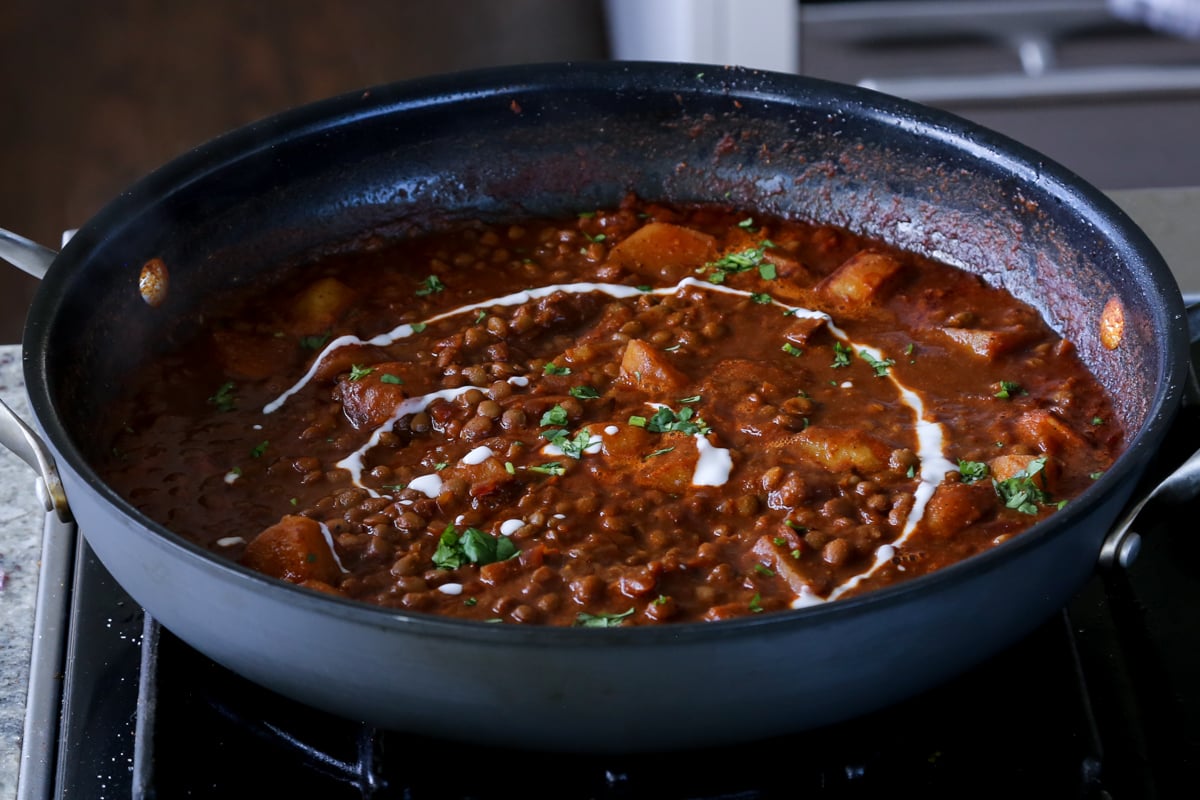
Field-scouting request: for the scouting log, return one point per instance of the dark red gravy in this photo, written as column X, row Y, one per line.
column 724, row 425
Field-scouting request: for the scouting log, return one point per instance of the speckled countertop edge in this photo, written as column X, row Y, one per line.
column 21, row 519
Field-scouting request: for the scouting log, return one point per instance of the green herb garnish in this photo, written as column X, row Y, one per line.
column 473, row 546
column 314, row 342
column 972, row 471
column 555, row 416
column 743, row 261
column 553, row 369
column 585, row 620
column 841, row 355
column 358, row 372
column 573, row 447
column 224, row 398
column 431, row 285
column 1021, row 492
column 1008, row 389
column 879, row 365
column 583, row 392
column 667, row 421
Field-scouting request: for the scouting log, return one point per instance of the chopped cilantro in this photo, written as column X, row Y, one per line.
column 1021, row 492
column 314, row 342
column 473, row 546
column 388, row 377
column 575, row 447
column 879, row 365
column 791, row 349
column 555, row 416
column 972, row 471
column 550, row 468
column 418, row 327
column 743, row 261
column 841, row 355
column 762, row 298
column 583, row 392
column 259, row 449
column 224, row 399
column 358, row 372
column 659, row 452
column 431, row 285
column 585, row 620
column 667, row 421
column 1008, row 389
column 763, row 569
column 553, row 369
column 756, row 603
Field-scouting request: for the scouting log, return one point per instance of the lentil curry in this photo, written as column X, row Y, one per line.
column 633, row 416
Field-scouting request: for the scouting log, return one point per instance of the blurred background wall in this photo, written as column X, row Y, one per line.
column 95, row 95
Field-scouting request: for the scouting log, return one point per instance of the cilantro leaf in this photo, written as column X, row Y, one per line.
column 585, row 620
column 972, row 471
column 431, row 285
column 473, row 546
column 572, row 447
column 224, row 398
column 879, row 365
column 841, row 355
column 667, row 421
column 1021, row 492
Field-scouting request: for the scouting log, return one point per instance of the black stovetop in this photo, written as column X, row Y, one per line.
column 1102, row 701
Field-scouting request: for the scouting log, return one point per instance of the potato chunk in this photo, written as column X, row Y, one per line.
column 861, row 279
column 665, row 252
column 644, row 367
column 370, row 399
column 294, row 549
column 955, row 506
column 778, row 557
column 1046, row 431
column 839, row 449
column 988, row 343
column 321, row 305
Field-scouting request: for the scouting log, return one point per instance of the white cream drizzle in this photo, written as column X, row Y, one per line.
column 328, row 534
column 478, row 455
column 511, row 526
column 713, row 464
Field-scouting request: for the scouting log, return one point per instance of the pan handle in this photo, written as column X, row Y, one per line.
column 1122, row 544
column 22, row 441
column 15, row 435
column 26, row 254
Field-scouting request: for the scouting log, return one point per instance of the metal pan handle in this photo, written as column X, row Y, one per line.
column 22, row 441
column 25, row 254
column 1122, row 544
column 15, row 435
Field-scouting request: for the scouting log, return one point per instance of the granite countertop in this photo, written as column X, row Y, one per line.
column 1168, row 216
column 21, row 518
